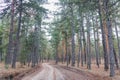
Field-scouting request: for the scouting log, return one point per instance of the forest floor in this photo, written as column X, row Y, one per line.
column 61, row 72
column 5, row 71
column 50, row 71
column 20, row 70
column 97, row 73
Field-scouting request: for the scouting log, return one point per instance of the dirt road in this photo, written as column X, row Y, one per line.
column 55, row 72
column 48, row 73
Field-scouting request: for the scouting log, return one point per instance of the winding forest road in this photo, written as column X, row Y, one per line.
column 56, row 72
column 48, row 73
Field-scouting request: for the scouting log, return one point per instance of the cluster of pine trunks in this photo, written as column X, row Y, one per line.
column 13, row 49
column 84, row 54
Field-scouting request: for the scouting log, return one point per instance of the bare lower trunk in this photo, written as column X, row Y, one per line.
column 116, row 30
column 73, row 34
column 8, row 58
column 56, row 57
column 1, row 55
column 110, row 40
column 116, row 60
column 16, row 45
column 88, row 45
column 106, row 67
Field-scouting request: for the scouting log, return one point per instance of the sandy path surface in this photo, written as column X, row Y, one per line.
column 48, row 73
column 57, row 72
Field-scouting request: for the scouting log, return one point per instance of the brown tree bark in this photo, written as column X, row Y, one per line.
column 8, row 58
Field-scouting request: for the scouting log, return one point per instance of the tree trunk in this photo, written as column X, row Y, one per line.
column 56, row 57
column 80, row 38
column 66, row 43
column 1, row 55
column 118, row 41
column 98, row 48
column 33, row 57
column 62, row 58
column 8, row 58
column 84, row 42
column 88, row 45
column 79, row 52
column 63, row 51
column 36, row 45
column 73, row 34
column 110, row 40
column 106, row 67
column 69, row 55
column 96, row 44
column 16, row 45
column 116, row 60
column 112, row 60
column 29, row 59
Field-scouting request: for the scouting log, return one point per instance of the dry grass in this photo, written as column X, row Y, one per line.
column 6, row 72
column 97, row 72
